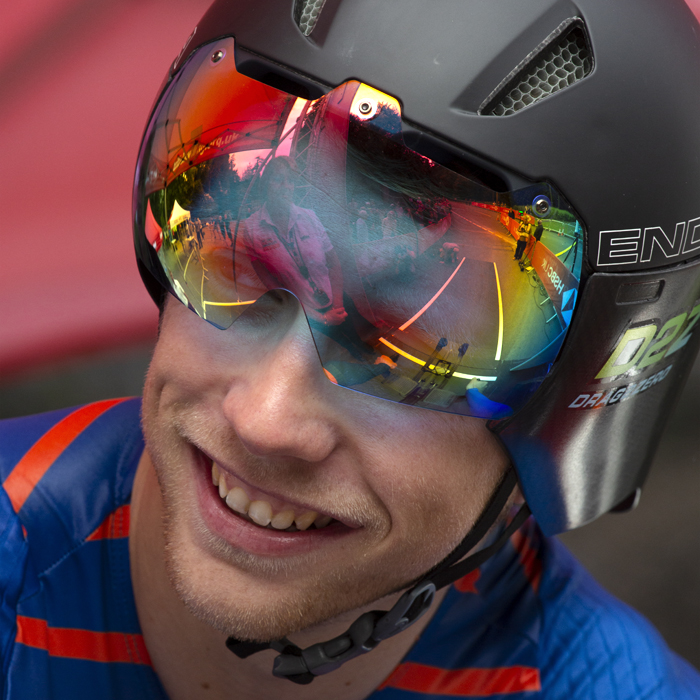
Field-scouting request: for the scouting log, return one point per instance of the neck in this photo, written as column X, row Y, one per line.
column 191, row 658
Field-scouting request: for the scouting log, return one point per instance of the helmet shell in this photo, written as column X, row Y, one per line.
column 621, row 144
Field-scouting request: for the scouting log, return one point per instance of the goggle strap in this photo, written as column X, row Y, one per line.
column 301, row 666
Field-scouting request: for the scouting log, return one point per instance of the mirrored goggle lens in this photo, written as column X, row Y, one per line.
column 421, row 284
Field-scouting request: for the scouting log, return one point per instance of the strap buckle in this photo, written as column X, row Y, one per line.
column 303, row 665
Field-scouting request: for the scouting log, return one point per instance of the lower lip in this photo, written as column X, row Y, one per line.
column 251, row 538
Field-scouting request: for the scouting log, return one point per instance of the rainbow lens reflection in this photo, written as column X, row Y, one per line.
column 421, row 284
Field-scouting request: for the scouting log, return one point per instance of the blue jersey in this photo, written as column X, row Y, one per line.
column 529, row 624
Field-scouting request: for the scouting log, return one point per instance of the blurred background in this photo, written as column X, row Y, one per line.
column 77, row 79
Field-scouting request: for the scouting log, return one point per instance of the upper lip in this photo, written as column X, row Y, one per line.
column 302, row 507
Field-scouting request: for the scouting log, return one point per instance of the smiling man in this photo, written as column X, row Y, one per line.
column 349, row 459
column 349, row 468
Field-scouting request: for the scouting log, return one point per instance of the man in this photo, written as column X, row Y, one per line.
column 289, row 242
column 278, row 516
column 523, row 238
column 539, row 230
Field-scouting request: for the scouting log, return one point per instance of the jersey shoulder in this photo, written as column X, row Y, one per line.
column 63, row 472
column 592, row 645
column 66, row 606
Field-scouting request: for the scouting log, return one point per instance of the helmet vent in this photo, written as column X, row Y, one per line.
column 306, row 14
column 562, row 59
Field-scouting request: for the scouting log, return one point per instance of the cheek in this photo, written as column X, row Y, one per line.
column 175, row 378
column 434, row 473
column 184, row 362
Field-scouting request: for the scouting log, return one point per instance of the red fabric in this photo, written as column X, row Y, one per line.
column 114, row 526
column 236, row 113
column 29, row 470
column 467, row 584
column 82, row 644
column 528, row 558
column 463, row 682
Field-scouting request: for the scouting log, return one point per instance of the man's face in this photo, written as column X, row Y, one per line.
column 280, row 186
column 401, row 484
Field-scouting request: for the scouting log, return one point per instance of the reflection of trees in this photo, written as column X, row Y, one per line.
column 208, row 190
column 183, row 189
column 253, row 168
column 386, row 119
column 222, row 177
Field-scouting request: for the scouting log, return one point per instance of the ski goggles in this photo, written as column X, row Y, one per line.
column 422, row 284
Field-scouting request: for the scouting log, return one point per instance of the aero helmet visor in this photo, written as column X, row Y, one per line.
column 421, row 284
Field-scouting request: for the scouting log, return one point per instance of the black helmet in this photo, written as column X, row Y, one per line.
column 572, row 97
column 581, row 114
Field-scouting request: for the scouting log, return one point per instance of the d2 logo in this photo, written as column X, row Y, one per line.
column 643, row 346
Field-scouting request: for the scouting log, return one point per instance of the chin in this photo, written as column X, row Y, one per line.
column 251, row 607
column 254, row 599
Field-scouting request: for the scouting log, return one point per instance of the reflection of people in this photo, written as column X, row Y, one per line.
column 539, row 229
column 389, row 224
column 290, row 248
column 523, row 238
column 448, row 252
column 374, row 221
column 361, row 230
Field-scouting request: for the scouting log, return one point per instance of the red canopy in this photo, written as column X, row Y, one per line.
column 210, row 111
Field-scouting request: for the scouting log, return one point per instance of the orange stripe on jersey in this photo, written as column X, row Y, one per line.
column 29, row 470
column 529, row 558
column 463, row 682
column 467, row 584
column 115, row 525
column 70, row 643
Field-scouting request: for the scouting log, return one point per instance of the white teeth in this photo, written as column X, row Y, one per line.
column 223, row 489
column 283, row 520
column 238, row 500
column 260, row 512
column 303, row 521
column 322, row 521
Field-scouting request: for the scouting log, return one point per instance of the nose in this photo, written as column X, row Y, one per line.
column 279, row 402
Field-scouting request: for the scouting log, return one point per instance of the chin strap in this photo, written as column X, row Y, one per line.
column 303, row 665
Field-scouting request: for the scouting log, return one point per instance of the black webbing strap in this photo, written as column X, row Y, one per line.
column 303, row 665
column 485, row 522
column 444, row 577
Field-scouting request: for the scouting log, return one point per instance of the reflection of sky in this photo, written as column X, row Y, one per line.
column 245, row 158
